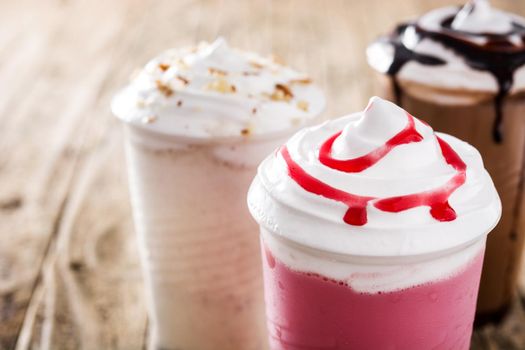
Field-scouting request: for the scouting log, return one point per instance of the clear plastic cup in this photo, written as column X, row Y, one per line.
column 321, row 300
column 200, row 259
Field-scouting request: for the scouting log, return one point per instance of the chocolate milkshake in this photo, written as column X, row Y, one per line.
column 373, row 230
column 462, row 69
column 198, row 121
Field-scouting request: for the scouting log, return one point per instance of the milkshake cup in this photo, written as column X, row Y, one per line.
column 373, row 231
column 462, row 69
column 197, row 123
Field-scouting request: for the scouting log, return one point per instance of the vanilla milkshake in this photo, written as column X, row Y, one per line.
column 198, row 121
column 373, row 231
column 462, row 69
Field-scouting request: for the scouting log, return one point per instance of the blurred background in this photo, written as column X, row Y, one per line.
column 69, row 271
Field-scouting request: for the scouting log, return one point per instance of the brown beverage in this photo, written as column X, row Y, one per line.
column 463, row 71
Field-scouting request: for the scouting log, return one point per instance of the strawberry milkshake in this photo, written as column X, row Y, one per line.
column 373, row 231
column 198, row 121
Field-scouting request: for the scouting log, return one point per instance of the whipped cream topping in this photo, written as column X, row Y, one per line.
column 214, row 91
column 457, row 48
column 375, row 183
column 482, row 19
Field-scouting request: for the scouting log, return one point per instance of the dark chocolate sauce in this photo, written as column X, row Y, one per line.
column 498, row 55
column 403, row 55
column 435, row 199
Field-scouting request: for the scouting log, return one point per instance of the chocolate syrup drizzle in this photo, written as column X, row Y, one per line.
column 498, row 55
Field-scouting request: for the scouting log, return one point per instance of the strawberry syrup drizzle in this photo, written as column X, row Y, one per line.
column 407, row 135
column 356, row 214
column 436, row 199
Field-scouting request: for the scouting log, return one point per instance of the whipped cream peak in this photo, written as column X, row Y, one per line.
column 476, row 23
column 478, row 16
column 215, row 91
column 380, row 121
column 404, row 190
column 217, row 55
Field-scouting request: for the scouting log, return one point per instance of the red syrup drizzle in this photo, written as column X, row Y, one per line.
column 436, row 199
column 407, row 135
column 356, row 214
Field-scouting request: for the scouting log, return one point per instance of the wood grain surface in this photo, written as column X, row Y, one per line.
column 69, row 271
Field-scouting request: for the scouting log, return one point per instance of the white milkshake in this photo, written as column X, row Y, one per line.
column 198, row 121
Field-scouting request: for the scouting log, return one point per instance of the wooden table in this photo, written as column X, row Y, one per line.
column 69, row 270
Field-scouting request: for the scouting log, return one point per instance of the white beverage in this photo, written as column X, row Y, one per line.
column 198, row 121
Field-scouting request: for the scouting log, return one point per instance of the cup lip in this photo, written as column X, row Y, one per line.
column 374, row 259
column 477, row 95
column 219, row 140
column 215, row 140
column 265, row 216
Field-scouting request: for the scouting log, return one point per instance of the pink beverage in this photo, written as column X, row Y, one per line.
column 373, row 231
column 308, row 309
column 198, row 121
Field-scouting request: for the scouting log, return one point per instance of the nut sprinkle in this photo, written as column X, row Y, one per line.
column 217, row 72
column 302, row 105
column 282, row 93
column 165, row 89
column 222, row 86
column 164, row 66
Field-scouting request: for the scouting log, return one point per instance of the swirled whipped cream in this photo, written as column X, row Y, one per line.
column 475, row 48
column 375, row 183
column 214, row 91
